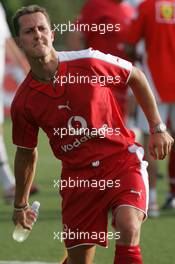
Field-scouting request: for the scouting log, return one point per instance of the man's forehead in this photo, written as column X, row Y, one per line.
column 33, row 19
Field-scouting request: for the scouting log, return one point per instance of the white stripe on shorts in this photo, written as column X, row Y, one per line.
column 139, row 151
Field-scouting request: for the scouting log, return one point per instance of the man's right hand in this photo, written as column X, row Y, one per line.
column 25, row 218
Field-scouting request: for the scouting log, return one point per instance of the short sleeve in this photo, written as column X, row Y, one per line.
column 24, row 130
column 116, row 70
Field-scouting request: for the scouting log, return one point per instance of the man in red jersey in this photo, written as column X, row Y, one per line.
column 65, row 94
column 154, row 22
column 102, row 25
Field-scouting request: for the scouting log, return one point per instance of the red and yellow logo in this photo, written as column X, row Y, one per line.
column 165, row 12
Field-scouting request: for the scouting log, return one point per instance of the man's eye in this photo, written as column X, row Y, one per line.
column 42, row 28
column 28, row 31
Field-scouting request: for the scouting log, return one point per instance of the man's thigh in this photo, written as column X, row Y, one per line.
column 134, row 187
column 84, row 210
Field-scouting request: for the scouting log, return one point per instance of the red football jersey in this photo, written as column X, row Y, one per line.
column 117, row 16
column 71, row 105
column 155, row 23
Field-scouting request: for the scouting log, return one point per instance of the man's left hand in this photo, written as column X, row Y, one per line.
column 160, row 145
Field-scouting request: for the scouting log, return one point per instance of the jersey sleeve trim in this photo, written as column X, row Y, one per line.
column 94, row 54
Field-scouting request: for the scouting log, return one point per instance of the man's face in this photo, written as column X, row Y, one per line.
column 35, row 35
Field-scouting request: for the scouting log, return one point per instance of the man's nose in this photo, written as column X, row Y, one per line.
column 37, row 33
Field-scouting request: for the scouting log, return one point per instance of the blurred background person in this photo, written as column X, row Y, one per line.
column 8, row 48
column 112, row 19
column 154, row 22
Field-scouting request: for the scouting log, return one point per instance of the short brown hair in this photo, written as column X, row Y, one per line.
column 28, row 10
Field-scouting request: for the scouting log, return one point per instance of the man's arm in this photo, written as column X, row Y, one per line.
column 24, row 168
column 160, row 143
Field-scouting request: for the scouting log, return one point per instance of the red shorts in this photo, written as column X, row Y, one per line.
column 107, row 184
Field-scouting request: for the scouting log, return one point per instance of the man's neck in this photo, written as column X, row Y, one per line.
column 45, row 68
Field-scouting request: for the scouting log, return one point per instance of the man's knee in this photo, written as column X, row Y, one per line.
column 128, row 223
column 129, row 232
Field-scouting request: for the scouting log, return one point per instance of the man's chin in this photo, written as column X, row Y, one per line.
column 39, row 51
column 40, row 55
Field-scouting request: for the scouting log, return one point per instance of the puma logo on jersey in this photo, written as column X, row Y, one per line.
column 137, row 192
column 66, row 106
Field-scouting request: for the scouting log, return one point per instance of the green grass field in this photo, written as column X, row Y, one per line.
column 158, row 235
